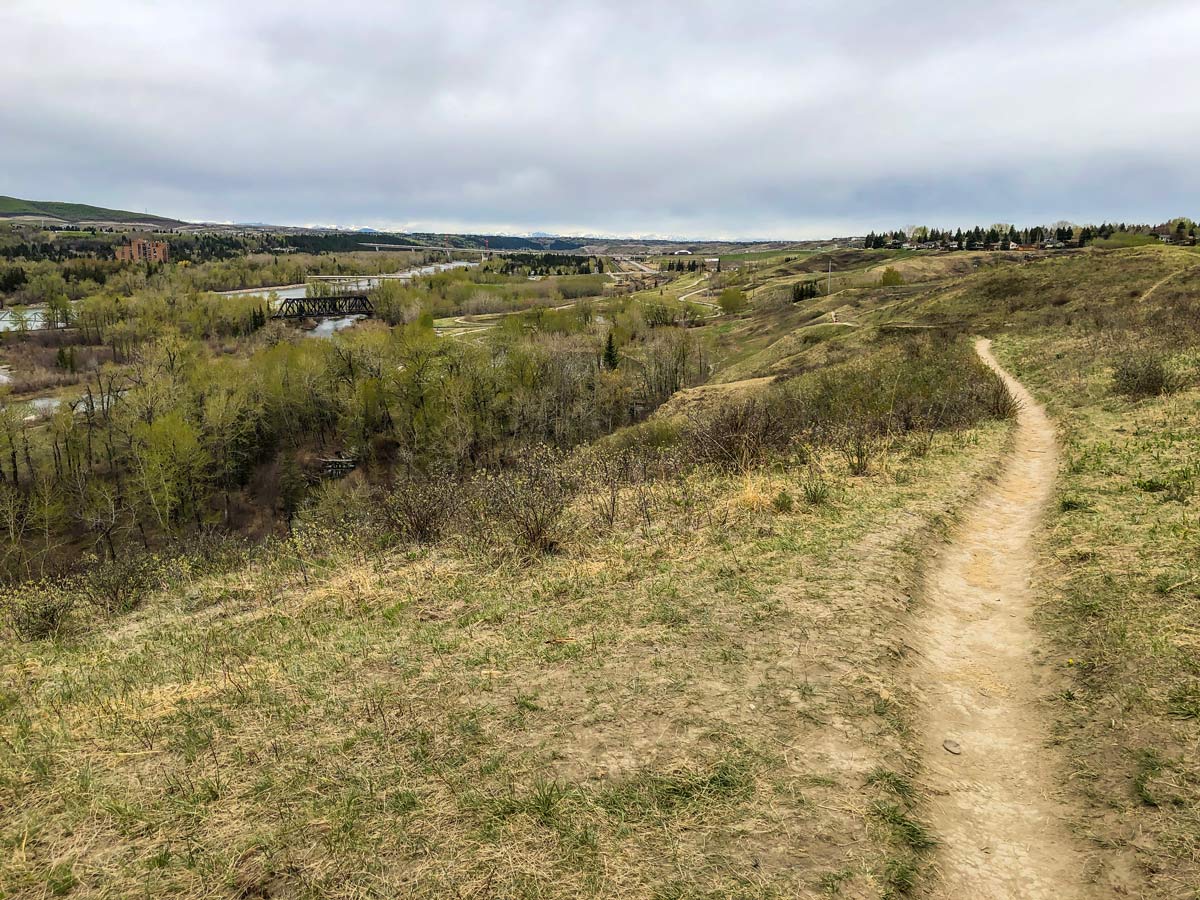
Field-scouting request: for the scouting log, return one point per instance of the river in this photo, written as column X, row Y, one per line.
column 35, row 317
column 348, row 282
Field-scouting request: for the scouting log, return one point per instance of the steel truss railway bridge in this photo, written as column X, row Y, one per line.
column 335, row 305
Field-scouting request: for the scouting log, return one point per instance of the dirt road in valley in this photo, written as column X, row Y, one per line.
column 994, row 784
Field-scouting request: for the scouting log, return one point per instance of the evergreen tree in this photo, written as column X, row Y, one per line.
column 292, row 486
column 611, row 360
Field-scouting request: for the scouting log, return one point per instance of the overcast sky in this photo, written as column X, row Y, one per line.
column 704, row 119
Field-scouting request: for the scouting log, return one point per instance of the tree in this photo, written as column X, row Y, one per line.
column 292, row 486
column 804, row 290
column 732, row 301
column 611, row 361
column 890, row 278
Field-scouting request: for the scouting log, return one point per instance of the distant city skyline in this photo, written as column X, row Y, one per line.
column 714, row 121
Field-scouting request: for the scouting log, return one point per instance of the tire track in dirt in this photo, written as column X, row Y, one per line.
column 1001, row 827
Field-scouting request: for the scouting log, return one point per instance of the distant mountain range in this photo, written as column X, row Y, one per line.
column 46, row 212
column 78, row 214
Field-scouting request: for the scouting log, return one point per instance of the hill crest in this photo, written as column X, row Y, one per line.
column 78, row 213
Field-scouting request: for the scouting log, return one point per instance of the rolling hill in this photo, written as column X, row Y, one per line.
column 77, row 213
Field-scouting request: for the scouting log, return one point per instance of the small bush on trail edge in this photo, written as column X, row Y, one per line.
column 782, row 502
column 1143, row 374
column 35, row 610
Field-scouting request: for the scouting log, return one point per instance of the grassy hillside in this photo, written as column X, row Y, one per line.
column 1121, row 591
column 75, row 213
column 1108, row 339
column 692, row 682
column 687, row 687
column 699, row 701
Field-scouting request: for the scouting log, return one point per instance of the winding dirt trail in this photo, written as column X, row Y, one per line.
column 1154, row 287
column 1001, row 828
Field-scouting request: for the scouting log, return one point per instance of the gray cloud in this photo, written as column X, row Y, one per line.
column 711, row 118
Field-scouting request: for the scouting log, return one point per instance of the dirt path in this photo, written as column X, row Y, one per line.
column 1154, row 287
column 1001, row 829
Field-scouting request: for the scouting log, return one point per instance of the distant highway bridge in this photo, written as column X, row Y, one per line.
column 489, row 251
column 446, row 250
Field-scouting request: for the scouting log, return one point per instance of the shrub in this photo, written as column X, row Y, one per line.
column 420, row 505
column 738, row 435
column 1000, row 402
column 731, row 301
column 815, row 490
column 346, row 506
column 121, row 585
column 35, row 610
column 1143, row 374
column 857, row 444
column 529, row 498
column 209, row 552
column 782, row 502
column 606, row 472
column 917, row 388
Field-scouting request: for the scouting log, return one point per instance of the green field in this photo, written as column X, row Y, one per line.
column 76, row 212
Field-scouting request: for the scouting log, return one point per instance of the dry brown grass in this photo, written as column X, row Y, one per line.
column 1120, row 603
column 703, row 705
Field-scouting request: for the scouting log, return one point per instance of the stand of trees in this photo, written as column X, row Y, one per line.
column 805, row 290
column 979, row 238
column 209, row 415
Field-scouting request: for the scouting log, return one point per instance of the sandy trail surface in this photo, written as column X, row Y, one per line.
column 995, row 810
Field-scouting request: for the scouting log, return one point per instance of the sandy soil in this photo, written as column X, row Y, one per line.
column 995, row 808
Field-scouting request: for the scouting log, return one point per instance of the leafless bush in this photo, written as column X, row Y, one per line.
column 606, row 473
column 738, row 436
column 528, row 498
column 419, row 505
column 1143, row 374
column 121, row 584
column 857, row 442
